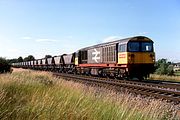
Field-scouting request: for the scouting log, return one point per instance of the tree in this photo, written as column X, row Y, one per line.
column 170, row 70
column 163, row 67
column 48, row 56
column 10, row 61
column 4, row 65
column 29, row 58
column 20, row 59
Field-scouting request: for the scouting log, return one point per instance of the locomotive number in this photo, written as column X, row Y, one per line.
column 122, row 55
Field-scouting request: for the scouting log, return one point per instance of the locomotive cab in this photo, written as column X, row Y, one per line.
column 137, row 55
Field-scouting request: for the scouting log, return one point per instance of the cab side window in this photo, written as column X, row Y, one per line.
column 122, row 48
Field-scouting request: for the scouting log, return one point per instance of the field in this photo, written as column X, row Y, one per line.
column 38, row 95
column 175, row 78
column 177, row 73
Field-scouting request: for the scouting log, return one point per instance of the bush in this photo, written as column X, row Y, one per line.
column 4, row 66
column 163, row 67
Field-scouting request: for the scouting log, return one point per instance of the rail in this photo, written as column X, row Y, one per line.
column 159, row 90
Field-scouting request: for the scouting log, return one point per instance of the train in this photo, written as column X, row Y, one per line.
column 127, row 58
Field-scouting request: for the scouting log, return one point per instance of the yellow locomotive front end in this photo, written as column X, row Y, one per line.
column 137, row 55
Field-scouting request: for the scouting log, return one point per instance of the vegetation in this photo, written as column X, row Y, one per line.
column 177, row 73
column 10, row 61
column 37, row 95
column 20, row 59
column 48, row 56
column 4, row 65
column 163, row 67
column 29, row 58
column 164, row 71
column 165, row 77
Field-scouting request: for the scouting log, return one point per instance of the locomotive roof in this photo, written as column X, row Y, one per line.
column 125, row 40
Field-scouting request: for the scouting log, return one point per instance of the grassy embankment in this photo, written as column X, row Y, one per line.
column 177, row 73
column 37, row 95
column 175, row 78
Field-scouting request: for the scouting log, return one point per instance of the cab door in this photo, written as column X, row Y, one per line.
column 122, row 53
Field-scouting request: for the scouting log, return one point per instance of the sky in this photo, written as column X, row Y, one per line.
column 55, row 27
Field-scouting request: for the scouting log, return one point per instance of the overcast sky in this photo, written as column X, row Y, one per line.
column 40, row 27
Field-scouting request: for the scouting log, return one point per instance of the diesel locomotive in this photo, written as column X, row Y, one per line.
column 128, row 58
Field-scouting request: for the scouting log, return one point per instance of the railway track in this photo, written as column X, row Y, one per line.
column 160, row 90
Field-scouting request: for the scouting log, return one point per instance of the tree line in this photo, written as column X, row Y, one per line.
column 5, row 64
column 28, row 58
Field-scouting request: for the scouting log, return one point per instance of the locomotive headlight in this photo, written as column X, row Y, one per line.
column 131, row 56
column 153, row 57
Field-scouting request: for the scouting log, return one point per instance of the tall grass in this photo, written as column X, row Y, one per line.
column 165, row 77
column 37, row 95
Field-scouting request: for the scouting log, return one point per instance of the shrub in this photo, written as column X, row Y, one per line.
column 4, row 66
column 163, row 67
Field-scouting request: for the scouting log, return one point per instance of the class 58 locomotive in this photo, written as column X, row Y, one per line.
column 126, row 58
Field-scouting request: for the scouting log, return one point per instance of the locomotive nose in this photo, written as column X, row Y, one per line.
column 131, row 58
column 152, row 56
column 141, row 58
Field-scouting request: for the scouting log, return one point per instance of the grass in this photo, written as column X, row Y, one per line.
column 37, row 95
column 177, row 73
column 165, row 77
